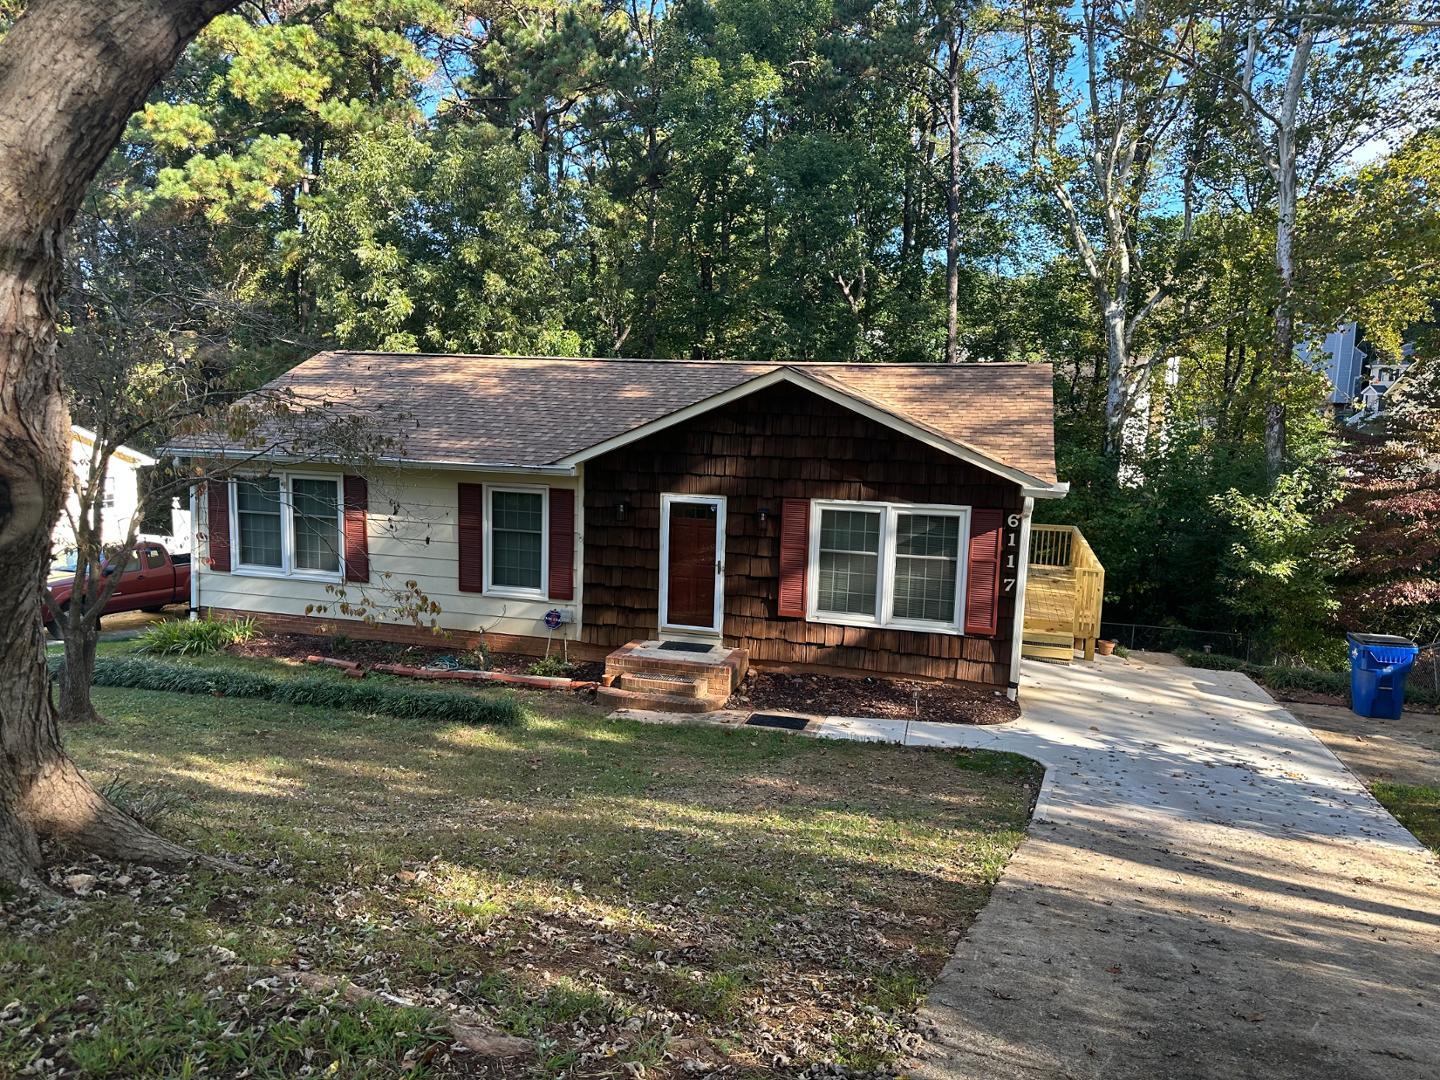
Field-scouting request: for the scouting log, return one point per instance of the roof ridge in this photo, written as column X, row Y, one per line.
column 876, row 364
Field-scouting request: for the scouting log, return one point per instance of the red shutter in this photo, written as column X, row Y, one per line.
column 562, row 544
column 357, row 542
column 794, row 555
column 217, row 516
column 471, row 537
column 982, row 583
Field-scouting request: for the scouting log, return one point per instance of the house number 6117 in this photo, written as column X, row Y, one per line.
column 1012, row 528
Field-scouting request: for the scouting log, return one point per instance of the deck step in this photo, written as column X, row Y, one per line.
column 655, row 682
column 654, row 701
column 1045, row 645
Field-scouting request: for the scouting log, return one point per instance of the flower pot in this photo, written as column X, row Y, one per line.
column 1105, row 648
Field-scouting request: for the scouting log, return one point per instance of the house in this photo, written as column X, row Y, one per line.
column 120, row 495
column 854, row 519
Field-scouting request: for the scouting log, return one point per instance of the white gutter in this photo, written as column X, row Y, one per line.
column 418, row 463
column 1017, row 639
column 194, row 557
column 1054, row 491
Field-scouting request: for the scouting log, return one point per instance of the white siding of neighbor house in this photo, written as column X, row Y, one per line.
column 123, row 485
column 412, row 535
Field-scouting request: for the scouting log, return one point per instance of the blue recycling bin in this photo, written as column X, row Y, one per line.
column 1378, row 666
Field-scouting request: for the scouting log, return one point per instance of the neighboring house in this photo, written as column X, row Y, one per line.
column 1343, row 359
column 1358, row 379
column 832, row 517
column 120, row 497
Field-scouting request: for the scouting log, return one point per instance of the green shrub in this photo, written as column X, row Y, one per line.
column 143, row 674
column 183, row 637
column 552, row 667
column 1309, row 680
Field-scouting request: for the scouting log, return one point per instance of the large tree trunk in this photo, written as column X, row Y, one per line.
column 1117, row 370
column 952, row 203
column 71, row 73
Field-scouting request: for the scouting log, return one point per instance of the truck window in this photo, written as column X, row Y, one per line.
column 134, row 563
column 154, row 560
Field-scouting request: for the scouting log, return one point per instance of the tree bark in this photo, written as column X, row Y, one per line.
column 71, row 73
column 75, row 704
column 952, row 201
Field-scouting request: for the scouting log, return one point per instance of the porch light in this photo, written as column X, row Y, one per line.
column 622, row 511
column 764, row 514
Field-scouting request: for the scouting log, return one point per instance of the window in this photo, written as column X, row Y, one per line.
column 107, row 493
column 515, row 537
column 927, row 564
column 315, row 507
column 288, row 525
column 154, row 560
column 257, row 519
column 849, row 563
column 882, row 564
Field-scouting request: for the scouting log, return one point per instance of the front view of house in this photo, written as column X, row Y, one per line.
column 850, row 519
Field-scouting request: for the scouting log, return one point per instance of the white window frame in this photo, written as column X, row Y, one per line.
column 287, row 568
column 884, row 618
column 511, row 591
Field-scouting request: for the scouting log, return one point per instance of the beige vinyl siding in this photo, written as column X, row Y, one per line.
column 418, row 542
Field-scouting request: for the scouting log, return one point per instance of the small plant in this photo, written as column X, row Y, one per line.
column 551, row 667
column 480, row 658
column 148, row 803
column 182, row 637
column 340, row 644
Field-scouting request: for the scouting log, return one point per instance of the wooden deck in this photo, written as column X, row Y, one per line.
column 1064, row 588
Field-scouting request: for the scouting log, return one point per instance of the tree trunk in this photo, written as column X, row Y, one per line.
column 75, row 704
column 1117, row 379
column 1284, row 337
column 952, row 204
column 71, row 73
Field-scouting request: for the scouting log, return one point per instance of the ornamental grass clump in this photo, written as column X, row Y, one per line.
column 185, row 637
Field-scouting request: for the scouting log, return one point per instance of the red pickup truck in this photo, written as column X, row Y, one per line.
column 150, row 578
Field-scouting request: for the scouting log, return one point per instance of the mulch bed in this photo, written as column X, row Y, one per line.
column 888, row 699
column 368, row 653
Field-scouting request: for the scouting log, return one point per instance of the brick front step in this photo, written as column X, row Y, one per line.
column 717, row 673
column 658, row 683
column 656, row 702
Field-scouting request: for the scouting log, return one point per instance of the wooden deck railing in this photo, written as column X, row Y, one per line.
column 1064, row 546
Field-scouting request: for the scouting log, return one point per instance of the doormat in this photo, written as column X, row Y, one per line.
column 789, row 723
column 686, row 646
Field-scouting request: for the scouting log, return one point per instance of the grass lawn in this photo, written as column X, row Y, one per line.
column 674, row 898
column 1415, row 806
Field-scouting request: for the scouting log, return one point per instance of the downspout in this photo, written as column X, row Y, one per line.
column 195, row 563
column 1022, row 573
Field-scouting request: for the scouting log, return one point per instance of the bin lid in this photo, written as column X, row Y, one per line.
column 1382, row 639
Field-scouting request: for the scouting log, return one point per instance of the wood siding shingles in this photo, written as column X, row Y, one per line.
column 777, row 444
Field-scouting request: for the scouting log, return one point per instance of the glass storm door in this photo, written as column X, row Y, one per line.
column 692, row 562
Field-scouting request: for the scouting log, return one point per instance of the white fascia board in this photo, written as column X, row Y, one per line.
column 124, row 453
column 389, row 462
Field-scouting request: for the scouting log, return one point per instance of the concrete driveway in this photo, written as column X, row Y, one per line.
column 1205, row 892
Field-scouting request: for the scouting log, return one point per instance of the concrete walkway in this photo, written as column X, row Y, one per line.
column 1205, row 892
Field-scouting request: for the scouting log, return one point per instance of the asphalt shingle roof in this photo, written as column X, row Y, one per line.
column 537, row 411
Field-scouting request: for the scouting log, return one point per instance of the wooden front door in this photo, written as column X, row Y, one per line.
column 692, row 560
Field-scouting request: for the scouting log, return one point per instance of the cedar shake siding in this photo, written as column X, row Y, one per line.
column 779, row 443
